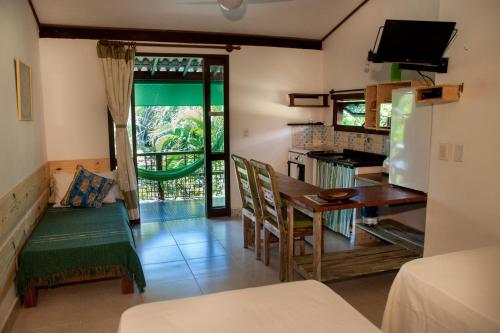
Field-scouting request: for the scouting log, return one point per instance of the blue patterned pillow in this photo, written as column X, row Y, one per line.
column 87, row 189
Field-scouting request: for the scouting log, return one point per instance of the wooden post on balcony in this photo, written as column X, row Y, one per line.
column 159, row 167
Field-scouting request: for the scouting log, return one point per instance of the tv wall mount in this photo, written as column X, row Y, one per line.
column 437, row 65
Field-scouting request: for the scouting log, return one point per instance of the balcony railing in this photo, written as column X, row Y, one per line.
column 189, row 187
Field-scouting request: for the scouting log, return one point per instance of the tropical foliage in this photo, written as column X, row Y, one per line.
column 177, row 129
column 353, row 114
column 174, row 128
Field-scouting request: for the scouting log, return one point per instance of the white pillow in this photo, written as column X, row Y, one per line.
column 114, row 191
column 62, row 182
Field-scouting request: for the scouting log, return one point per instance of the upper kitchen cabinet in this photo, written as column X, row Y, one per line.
column 378, row 103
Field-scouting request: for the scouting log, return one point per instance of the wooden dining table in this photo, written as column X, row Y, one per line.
column 294, row 192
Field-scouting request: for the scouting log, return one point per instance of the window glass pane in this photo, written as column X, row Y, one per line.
column 217, row 133
column 217, row 108
column 351, row 113
column 218, row 184
column 385, row 114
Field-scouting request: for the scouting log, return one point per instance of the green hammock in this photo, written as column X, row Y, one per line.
column 173, row 173
column 162, row 175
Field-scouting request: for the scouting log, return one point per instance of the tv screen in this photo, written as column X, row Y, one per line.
column 422, row 42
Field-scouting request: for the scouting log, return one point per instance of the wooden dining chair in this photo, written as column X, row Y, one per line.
column 274, row 216
column 251, row 213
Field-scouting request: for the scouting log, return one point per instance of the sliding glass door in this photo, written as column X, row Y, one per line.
column 216, row 117
column 179, row 130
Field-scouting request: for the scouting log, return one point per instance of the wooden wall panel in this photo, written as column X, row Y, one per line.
column 16, row 203
column 20, row 210
column 94, row 165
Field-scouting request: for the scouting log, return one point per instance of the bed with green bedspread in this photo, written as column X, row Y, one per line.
column 70, row 243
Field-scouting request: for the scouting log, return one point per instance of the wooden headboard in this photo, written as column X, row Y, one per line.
column 94, row 165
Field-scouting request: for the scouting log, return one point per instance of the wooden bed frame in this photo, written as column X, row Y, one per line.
column 94, row 165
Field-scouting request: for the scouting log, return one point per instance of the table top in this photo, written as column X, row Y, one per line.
column 294, row 190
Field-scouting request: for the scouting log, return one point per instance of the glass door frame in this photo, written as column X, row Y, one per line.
column 211, row 211
column 208, row 60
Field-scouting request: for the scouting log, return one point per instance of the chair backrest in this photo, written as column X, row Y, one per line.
column 269, row 194
column 247, row 186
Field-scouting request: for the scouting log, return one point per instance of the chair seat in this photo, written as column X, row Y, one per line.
column 300, row 220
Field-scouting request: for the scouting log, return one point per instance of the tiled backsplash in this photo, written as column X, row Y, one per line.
column 312, row 136
column 315, row 136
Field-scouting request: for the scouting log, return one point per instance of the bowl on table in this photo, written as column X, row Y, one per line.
column 337, row 194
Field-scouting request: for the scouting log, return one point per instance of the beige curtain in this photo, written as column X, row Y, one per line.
column 118, row 67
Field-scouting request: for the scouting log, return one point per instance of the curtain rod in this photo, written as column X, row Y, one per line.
column 227, row 47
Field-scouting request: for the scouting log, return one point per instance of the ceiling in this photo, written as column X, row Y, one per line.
column 311, row 19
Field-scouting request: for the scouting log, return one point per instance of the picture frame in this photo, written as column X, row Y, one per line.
column 23, row 91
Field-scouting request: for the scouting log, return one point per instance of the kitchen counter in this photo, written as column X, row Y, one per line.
column 374, row 178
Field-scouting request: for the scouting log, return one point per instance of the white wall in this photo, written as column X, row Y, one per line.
column 22, row 144
column 346, row 50
column 260, row 79
column 75, row 100
column 463, row 208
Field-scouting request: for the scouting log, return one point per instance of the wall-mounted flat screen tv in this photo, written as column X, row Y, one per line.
column 419, row 42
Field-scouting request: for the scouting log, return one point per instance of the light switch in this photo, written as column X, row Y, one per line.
column 458, row 154
column 246, row 132
column 445, row 150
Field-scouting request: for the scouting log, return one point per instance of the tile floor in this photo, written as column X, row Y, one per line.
column 183, row 258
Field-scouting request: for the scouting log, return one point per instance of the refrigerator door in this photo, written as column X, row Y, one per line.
column 410, row 141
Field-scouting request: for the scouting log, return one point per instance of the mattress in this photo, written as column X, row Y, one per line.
column 79, row 242
column 305, row 306
column 455, row 292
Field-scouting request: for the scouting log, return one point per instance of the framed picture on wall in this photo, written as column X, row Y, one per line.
column 23, row 89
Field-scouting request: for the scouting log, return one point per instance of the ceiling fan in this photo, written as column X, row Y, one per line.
column 231, row 9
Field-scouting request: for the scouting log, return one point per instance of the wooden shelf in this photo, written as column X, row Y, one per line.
column 445, row 93
column 357, row 262
column 320, row 98
column 375, row 95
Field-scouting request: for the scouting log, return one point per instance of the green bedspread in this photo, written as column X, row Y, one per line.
column 72, row 242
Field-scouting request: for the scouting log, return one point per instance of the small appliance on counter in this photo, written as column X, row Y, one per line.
column 386, row 164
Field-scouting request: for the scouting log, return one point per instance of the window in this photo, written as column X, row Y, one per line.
column 349, row 110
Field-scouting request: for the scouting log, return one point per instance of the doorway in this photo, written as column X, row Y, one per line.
column 179, row 129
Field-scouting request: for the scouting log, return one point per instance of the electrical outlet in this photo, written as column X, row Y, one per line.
column 445, row 151
column 458, row 154
column 246, row 132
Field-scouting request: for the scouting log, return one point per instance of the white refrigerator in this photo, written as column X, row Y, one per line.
column 410, row 141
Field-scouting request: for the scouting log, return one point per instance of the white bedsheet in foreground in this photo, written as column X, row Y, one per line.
column 305, row 306
column 455, row 292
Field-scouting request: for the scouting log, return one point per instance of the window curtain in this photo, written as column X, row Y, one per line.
column 118, row 67
column 336, row 176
